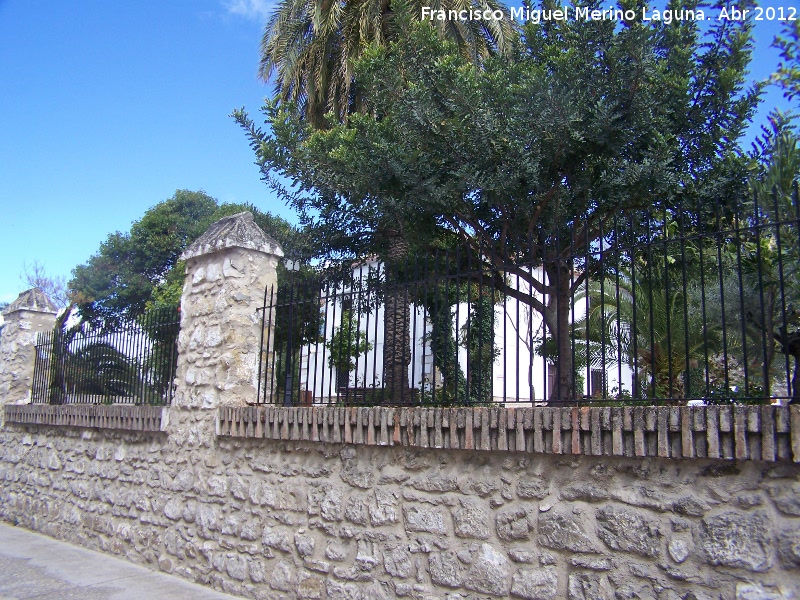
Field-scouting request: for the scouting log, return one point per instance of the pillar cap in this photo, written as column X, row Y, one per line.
column 236, row 231
column 33, row 300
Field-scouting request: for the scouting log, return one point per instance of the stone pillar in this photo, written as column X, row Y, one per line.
column 227, row 271
column 24, row 318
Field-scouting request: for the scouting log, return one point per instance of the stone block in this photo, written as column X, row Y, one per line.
column 276, row 539
column 173, row 509
column 679, row 549
column 331, row 505
column 343, row 591
column 356, row 511
column 513, row 524
column 489, row 573
column 755, row 591
column 337, row 551
column 397, row 562
column 471, row 519
column 357, row 477
column 789, row 547
column 217, row 486
column 788, row 501
column 310, row 586
column 629, row 531
column 533, row 488
column 237, row 567
column 424, row 519
column 283, row 577
column 561, row 531
column 384, row 510
column 587, row 492
column 435, row 483
column 735, row 539
column 588, row 586
column 304, row 543
column 446, row 569
column 535, row 584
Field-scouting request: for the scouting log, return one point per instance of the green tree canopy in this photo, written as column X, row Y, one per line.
column 530, row 158
column 141, row 268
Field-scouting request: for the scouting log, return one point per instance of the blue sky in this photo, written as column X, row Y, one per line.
column 108, row 106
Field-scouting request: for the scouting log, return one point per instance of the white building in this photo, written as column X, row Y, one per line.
column 519, row 374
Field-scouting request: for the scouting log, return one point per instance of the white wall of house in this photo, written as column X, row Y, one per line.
column 519, row 374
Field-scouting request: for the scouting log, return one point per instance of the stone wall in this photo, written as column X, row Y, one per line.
column 535, row 504
column 283, row 519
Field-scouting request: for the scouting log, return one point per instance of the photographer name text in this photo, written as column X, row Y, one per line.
column 725, row 13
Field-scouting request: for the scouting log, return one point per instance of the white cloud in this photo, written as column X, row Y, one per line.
column 251, row 9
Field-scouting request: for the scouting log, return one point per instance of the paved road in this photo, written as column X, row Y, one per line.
column 36, row 566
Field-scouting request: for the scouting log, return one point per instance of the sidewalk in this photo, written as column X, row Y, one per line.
column 36, row 566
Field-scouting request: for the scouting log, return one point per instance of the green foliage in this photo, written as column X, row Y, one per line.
column 525, row 158
column 642, row 316
column 132, row 362
column 129, row 267
column 788, row 74
column 478, row 337
column 445, row 346
column 346, row 344
column 768, row 251
column 140, row 270
column 736, row 395
column 310, row 47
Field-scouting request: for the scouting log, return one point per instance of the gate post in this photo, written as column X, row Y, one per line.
column 227, row 270
column 32, row 312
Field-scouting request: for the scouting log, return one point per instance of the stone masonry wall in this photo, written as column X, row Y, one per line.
column 283, row 519
column 483, row 512
column 227, row 270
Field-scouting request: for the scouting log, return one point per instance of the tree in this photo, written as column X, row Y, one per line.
column 769, row 252
column 311, row 46
column 637, row 318
column 530, row 159
column 788, row 74
column 346, row 344
column 129, row 267
column 140, row 270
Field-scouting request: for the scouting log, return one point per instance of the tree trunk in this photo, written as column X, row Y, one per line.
column 396, row 325
column 557, row 319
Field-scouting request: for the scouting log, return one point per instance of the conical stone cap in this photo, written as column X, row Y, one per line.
column 236, row 231
column 34, row 300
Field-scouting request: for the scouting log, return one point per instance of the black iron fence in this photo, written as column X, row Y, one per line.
column 651, row 307
column 131, row 362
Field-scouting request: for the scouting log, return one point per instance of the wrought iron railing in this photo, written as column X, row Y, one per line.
column 658, row 307
column 131, row 362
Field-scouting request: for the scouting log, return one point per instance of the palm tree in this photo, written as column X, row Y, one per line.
column 311, row 45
